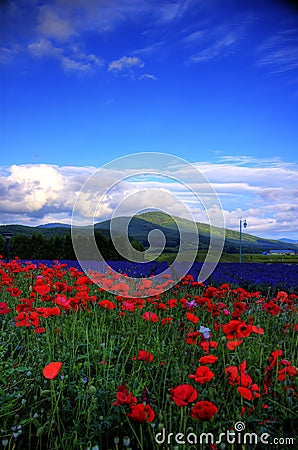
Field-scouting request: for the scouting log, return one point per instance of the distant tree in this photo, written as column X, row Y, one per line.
column 2, row 246
column 20, row 246
column 67, row 246
column 38, row 246
column 60, row 247
column 138, row 246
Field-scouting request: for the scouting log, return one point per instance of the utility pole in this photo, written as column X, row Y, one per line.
column 244, row 223
column 7, row 235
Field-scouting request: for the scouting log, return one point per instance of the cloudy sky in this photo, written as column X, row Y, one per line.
column 84, row 82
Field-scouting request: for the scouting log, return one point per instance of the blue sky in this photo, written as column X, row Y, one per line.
column 214, row 82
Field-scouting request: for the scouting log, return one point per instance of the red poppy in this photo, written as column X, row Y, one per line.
column 39, row 330
column 83, row 280
column 288, row 370
column 183, row 394
column 245, row 393
column 238, row 375
column 197, row 284
column 273, row 359
column 172, row 303
column 150, row 317
column 213, row 344
column 233, row 344
column 42, row 289
column 249, row 393
column 147, row 283
column 206, row 345
column 107, row 283
column 211, row 291
column 166, row 320
column 25, row 306
column 225, row 287
column 61, row 286
column 232, row 374
column 107, row 304
column 244, row 377
column 144, row 356
column 141, row 413
column 124, row 397
column 24, row 319
column 51, row 370
column 121, row 288
column 128, row 306
column 236, row 329
column 209, row 359
column 201, row 300
column 192, row 318
column 204, row 410
column 203, row 375
column 257, row 330
column 243, row 330
column 62, row 301
column 272, row 308
column 191, row 338
column 160, row 306
column 4, row 308
column 48, row 312
column 14, row 291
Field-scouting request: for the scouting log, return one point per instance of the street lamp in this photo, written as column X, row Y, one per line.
column 7, row 235
column 244, row 223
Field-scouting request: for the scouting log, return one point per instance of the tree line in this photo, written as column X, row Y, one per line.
column 40, row 247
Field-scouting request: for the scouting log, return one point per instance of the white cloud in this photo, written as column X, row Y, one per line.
column 6, row 54
column 150, row 49
column 69, row 64
column 282, row 60
column 65, row 18
column 32, row 189
column 125, row 63
column 266, row 196
column 195, row 37
column 52, row 25
column 171, row 11
column 148, row 76
column 72, row 59
column 44, row 47
column 213, row 39
column 280, row 51
column 51, row 28
column 219, row 47
column 81, row 62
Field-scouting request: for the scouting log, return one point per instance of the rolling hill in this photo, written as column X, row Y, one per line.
column 288, row 241
column 141, row 225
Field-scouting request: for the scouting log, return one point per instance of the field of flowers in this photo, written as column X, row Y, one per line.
column 82, row 368
column 269, row 277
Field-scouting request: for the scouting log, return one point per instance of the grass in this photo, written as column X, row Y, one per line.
column 234, row 258
column 98, row 345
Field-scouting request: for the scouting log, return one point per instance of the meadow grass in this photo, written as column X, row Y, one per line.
column 98, row 345
column 234, row 258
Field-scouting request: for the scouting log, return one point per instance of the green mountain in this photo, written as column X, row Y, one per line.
column 54, row 225
column 250, row 243
column 141, row 225
column 49, row 231
column 139, row 229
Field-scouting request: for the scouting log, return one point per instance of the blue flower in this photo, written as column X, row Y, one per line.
column 205, row 332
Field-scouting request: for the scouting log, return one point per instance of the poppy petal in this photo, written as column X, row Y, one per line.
column 51, row 370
